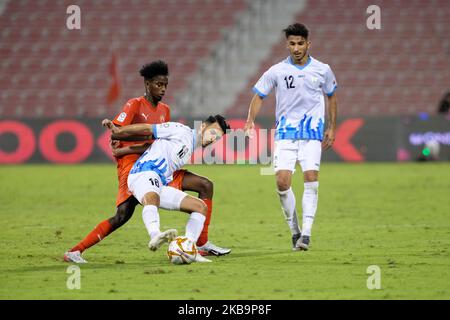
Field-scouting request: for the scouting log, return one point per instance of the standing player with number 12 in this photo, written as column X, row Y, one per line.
column 300, row 82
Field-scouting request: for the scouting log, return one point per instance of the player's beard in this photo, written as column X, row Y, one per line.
column 298, row 60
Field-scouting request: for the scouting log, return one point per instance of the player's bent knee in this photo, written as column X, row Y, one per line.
column 311, row 176
column 207, row 185
column 150, row 198
column 199, row 206
column 190, row 204
column 284, row 179
column 203, row 207
column 205, row 188
column 283, row 184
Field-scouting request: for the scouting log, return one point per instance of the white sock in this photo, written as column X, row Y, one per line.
column 287, row 199
column 309, row 204
column 150, row 216
column 194, row 226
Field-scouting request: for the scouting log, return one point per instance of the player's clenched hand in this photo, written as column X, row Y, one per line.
column 328, row 139
column 109, row 124
column 114, row 144
column 115, row 150
column 249, row 129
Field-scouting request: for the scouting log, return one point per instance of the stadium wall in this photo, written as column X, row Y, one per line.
column 359, row 139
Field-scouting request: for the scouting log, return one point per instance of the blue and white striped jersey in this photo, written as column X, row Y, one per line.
column 171, row 150
column 300, row 103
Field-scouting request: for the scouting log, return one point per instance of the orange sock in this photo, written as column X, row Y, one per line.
column 204, row 235
column 96, row 235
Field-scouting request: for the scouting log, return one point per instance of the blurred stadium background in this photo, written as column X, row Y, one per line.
column 391, row 80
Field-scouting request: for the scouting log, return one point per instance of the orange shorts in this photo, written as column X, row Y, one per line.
column 123, row 194
column 177, row 181
column 123, row 169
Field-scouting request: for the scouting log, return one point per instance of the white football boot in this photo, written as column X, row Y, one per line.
column 210, row 249
column 199, row 258
column 303, row 243
column 74, row 256
column 163, row 237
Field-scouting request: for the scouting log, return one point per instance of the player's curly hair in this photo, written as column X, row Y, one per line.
column 153, row 69
column 296, row 29
column 220, row 120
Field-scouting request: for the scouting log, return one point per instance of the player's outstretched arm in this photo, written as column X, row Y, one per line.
column 253, row 110
column 133, row 132
column 329, row 135
column 137, row 149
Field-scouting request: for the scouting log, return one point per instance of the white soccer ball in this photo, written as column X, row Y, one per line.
column 182, row 251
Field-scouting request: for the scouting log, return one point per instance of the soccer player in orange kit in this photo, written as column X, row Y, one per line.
column 146, row 109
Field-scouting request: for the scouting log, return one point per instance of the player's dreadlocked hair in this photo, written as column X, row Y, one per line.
column 153, row 69
column 220, row 120
column 296, row 29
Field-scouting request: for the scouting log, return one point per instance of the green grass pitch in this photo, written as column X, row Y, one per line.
column 395, row 216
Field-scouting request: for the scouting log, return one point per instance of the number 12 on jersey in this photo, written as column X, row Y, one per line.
column 289, row 82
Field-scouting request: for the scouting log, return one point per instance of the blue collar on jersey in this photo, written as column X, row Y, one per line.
column 297, row 66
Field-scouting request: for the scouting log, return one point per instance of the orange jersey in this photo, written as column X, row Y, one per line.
column 136, row 110
column 139, row 110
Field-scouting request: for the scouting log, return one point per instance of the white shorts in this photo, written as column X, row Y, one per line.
column 149, row 181
column 306, row 152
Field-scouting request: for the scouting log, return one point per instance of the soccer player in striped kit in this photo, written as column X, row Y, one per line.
column 151, row 174
column 301, row 84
